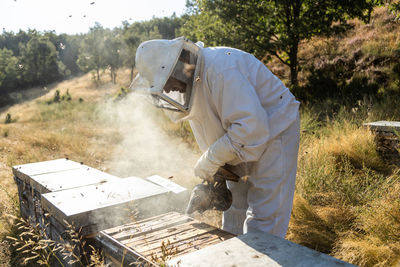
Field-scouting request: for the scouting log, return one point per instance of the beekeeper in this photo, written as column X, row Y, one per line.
column 240, row 114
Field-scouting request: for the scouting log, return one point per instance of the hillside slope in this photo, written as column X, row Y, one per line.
column 346, row 200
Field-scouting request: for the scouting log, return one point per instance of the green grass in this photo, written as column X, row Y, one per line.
column 68, row 111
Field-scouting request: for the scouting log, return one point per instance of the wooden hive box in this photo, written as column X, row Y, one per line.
column 62, row 196
column 96, row 207
column 34, row 179
column 387, row 138
column 154, row 240
column 88, row 209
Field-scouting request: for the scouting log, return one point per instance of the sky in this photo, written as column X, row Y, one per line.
column 77, row 16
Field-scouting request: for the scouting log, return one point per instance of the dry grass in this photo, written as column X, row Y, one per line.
column 44, row 132
column 347, row 199
column 75, row 129
column 375, row 239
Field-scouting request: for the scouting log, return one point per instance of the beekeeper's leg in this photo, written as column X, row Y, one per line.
column 272, row 183
column 233, row 218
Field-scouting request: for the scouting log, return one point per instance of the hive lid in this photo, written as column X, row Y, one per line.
column 173, row 187
column 26, row 171
column 67, row 179
column 59, row 174
column 385, row 126
column 85, row 205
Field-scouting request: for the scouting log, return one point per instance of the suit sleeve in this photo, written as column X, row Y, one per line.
column 242, row 115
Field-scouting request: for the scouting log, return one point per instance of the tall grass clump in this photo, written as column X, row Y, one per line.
column 343, row 161
column 340, row 174
column 375, row 238
column 35, row 247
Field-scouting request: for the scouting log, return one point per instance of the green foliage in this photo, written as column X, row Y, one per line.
column 6, row 132
column 363, row 63
column 67, row 47
column 394, row 7
column 66, row 96
column 33, row 58
column 70, row 111
column 92, row 51
column 57, row 97
column 8, row 119
column 39, row 61
column 9, row 71
column 122, row 93
column 273, row 27
column 113, row 46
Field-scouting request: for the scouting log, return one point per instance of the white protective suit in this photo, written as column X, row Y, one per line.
column 238, row 100
column 243, row 115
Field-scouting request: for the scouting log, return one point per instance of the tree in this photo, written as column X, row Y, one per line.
column 133, row 35
column 271, row 28
column 67, row 47
column 167, row 26
column 132, row 40
column 113, row 46
column 9, row 73
column 69, row 51
column 91, row 52
column 39, row 61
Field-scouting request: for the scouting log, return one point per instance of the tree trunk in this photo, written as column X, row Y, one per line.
column 132, row 68
column 293, row 64
column 369, row 14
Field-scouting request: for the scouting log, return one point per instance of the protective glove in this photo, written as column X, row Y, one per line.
column 216, row 156
column 206, row 168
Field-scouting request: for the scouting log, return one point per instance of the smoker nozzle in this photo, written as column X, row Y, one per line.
column 209, row 196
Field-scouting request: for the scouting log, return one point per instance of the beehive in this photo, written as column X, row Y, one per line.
column 154, row 240
column 34, row 179
column 62, row 196
column 387, row 137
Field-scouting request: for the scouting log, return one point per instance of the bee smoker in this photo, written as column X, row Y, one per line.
column 213, row 195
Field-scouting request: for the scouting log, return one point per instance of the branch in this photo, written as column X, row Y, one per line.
column 280, row 59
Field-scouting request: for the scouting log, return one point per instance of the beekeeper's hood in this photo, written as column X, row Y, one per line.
column 167, row 71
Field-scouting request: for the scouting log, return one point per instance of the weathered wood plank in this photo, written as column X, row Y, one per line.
column 152, row 220
column 184, row 246
column 256, row 249
column 147, row 229
column 144, row 225
column 180, row 235
column 180, row 231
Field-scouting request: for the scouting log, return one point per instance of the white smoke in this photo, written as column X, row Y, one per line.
column 146, row 149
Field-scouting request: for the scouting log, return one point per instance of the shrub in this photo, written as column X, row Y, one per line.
column 9, row 119
column 122, row 93
column 57, row 98
column 66, row 96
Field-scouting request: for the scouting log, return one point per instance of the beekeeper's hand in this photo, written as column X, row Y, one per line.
column 216, row 156
column 205, row 168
